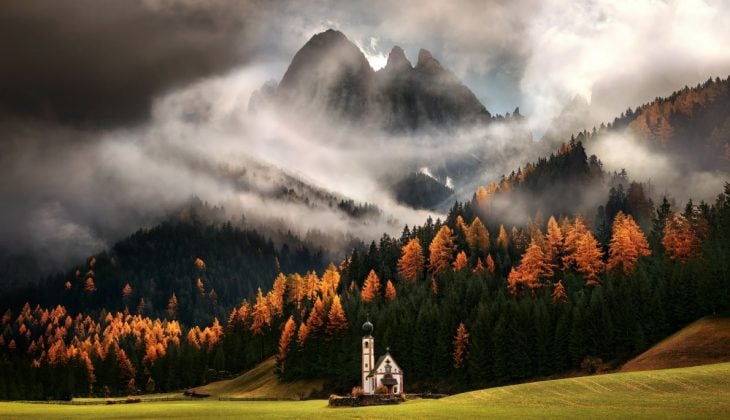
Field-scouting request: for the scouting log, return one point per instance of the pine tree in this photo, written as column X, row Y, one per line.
column 390, row 292
column 371, row 288
column 490, row 264
column 461, row 344
column 441, row 250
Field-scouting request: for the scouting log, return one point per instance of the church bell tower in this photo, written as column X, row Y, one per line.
column 368, row 357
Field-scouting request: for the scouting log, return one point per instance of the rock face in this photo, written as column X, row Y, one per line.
column 330, row 75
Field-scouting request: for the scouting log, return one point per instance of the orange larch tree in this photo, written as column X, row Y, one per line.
column 336, row 320
column 532, row 268
column 573, row 233
column 315, row 321
column 460, row 262
column 410, row 264
column 287, row 334
column 680, row 241
column 461, row 344
column 261, row 314
column 503, row 239
column 554, row 241
column 477, row 237
column 302, row 334
column 371, row 288
column 441, row 250
column 479, row 267
column 588, row 258
column 559, row 294
column 330, row 282
column 277, row 294
column 490, row 264
column 628, row 244
column 390, row 292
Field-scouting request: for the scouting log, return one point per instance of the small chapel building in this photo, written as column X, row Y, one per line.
column 385, row 372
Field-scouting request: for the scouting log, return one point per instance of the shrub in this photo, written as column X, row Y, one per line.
column 381, row 390
column 357, row 391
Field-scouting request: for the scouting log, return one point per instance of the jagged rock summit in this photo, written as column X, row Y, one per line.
column 330, row 76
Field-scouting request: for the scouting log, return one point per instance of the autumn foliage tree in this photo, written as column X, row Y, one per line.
column 461, row 344
column 390, row 292
column 371, row 288
column 628, row 244
column 477, row 236
column 460, row 262
column 555, row 241
column 533, row 267
column 287, row 334
column 410, row 264
column 680, row 241
column 441, row 250
column 261, row 314
column 588, row 257
column 336, row 320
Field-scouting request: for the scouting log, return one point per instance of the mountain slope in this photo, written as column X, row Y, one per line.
column 703, row 342
column 261, row 382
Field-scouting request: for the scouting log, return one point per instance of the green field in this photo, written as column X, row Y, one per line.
column 696, row 392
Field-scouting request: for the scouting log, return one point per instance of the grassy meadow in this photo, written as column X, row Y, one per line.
column 696, row 392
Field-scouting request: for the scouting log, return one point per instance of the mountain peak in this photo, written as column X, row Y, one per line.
column 397, row 60
column 427, row 62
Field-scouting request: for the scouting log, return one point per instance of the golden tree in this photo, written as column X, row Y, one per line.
column 287, row 334
column 573, row 233
column 336, row 320
column 126, row 291
column 490, row 264
column 588, row 258
column 532, row 268
column 200, row 264
column 628, row 244
column 276, row 296
column 89, row 286
column 479, row 267
column 460, row 262
column 554, row 241
column 503, row 239
column 478, row 237
column 680, row 240
column 410, row 264
column 330, row 282
column 371, row 288
column 461, row 344
column 261, row 314
column 390, row 292
column 316, row 316
column 302, row 334
column 559, row 294
column 441, row 250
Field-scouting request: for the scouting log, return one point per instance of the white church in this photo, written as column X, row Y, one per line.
column 385, row 372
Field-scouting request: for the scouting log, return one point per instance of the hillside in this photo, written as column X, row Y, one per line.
column 703, row 342
column 261, row 382
column 699, row 392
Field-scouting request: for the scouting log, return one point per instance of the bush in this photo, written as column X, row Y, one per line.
column 381, row 390
column 591, row 364
column 357, row 391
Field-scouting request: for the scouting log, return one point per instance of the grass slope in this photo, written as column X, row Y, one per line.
column 261, row 382
column 703, row 342
column 696, row 392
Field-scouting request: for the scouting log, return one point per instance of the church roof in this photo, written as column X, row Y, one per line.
column 380, row 362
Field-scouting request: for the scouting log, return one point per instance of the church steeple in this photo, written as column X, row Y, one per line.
column 368, row 357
